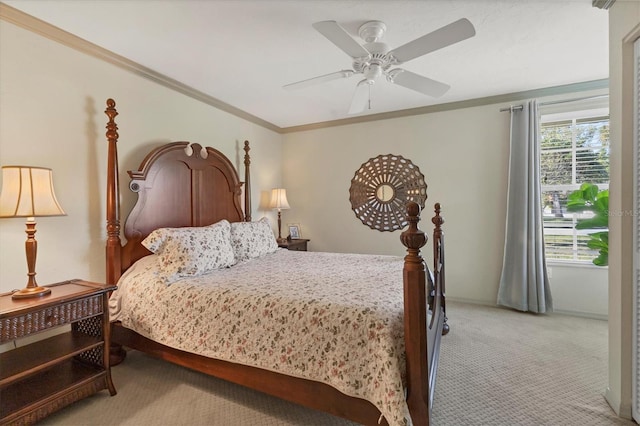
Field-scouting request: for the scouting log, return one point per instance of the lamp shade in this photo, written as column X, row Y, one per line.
column 28, row 192
column 279, row 199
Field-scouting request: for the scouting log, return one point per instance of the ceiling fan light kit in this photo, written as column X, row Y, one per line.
column 374, row 59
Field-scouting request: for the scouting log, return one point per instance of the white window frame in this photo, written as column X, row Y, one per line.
column 574, row 114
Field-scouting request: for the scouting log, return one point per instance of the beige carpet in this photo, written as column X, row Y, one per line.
column 497, row 367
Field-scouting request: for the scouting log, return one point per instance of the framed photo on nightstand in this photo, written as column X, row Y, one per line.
column 294, row 231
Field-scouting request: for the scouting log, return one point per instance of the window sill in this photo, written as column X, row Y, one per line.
column 569, row 264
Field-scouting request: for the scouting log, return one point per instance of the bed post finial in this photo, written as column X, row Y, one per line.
column 247, row 183
column 114, row 245
column 413, row 238
column 415, row 318
column 112, row 127
column 437, row 219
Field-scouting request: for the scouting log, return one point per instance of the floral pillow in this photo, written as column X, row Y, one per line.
column 252, row 239
column 184, row 252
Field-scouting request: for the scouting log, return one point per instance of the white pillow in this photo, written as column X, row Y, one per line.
column 252, row 239
column 184, row 252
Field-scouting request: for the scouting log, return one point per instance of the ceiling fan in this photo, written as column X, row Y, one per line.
column 374, row 59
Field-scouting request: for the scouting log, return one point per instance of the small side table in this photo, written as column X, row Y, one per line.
column 299, row 244
column 42, row 377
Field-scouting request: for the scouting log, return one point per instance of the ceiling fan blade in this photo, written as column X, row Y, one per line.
column 338, row 36
column 418, row 83
column 457, row 31
column 361, row 97
column 320, row 79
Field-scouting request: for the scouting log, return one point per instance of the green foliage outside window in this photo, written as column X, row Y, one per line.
column 590, row 198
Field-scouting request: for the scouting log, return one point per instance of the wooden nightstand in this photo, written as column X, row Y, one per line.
column 295, row 244
column 42, row 377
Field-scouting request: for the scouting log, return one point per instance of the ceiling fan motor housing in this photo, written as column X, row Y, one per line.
column 378, row 62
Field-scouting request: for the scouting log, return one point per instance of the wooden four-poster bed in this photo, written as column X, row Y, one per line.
column 182, row 185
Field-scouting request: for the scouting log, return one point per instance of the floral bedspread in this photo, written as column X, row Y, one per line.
column 328, row 317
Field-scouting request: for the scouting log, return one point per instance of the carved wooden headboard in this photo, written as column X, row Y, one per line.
column 178, row 184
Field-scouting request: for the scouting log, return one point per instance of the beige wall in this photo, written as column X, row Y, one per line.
column 624, row 28
column 464, row 155
column 52, row 100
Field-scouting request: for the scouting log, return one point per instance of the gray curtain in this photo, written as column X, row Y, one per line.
column 524, row 284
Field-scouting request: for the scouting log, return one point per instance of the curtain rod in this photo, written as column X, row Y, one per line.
column 512, row 108
column 519, row 107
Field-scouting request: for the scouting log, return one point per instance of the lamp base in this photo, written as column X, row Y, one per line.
column 281, row 240
column 31, row 292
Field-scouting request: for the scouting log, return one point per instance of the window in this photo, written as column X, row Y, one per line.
column 574, row 150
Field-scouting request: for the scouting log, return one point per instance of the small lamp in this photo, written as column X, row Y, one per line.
column 28, row 192
column 279, row 201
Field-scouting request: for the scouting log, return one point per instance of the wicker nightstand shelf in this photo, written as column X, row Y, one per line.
column 42, row 377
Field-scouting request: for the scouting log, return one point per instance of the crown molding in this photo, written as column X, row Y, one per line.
column 489, row 100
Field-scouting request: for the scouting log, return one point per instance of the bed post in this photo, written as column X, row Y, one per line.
column 247, row 183
column 438, row 262
column 415, row 319
column 114, row 246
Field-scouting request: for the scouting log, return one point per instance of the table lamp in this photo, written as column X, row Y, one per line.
column 28, row 192
column 279, row 201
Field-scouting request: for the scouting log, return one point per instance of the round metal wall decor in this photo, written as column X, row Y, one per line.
column 380, row 189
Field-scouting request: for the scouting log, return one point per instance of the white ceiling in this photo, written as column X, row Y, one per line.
column 243, row 52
